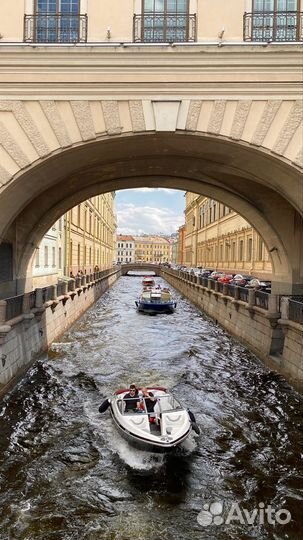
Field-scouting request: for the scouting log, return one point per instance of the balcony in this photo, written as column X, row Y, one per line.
column 55, row 28
column 164, row 28
column 273, row 26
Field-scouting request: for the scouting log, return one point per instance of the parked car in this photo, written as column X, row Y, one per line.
column 215, row 275
column 206, row 272
column 241, row 280
column 226, row 278
column 259, row 285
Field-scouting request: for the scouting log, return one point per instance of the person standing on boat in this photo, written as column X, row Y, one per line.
column 150, row 400
column 132, row 399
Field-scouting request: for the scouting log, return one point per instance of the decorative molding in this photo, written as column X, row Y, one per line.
column 137, row 116
column 265, row 121
column 12, row 147
column 111, row 117
column 216, row 117
column 51, row 111
column 82, row 113
column 240, row 117
column 288, row 129
column 28, row 125
column 193, row 115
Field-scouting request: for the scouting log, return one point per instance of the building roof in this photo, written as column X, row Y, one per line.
column 125, row 238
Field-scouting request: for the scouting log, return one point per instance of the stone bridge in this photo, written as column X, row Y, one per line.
column 79, row 121
column 155, row 269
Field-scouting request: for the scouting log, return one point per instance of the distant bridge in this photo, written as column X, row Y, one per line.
column 140, row 267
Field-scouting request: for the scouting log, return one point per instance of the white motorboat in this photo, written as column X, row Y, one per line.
column 160, row 430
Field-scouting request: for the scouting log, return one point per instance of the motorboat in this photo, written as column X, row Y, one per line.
column 161, row 429
column 148, row 281
column 156, row 300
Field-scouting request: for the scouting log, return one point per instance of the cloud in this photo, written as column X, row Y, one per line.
column 168, row 191
column 137, row 220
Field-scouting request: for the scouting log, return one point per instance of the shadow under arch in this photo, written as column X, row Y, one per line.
column 265, row 190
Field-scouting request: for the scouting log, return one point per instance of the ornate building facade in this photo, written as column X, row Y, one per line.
column 154, row 249
column 90, row 231
column 217, row 237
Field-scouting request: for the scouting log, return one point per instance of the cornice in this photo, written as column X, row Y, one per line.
column 121, row 56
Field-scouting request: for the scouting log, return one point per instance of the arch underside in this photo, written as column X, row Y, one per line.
column 265, row 189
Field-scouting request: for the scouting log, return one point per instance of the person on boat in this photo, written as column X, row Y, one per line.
column 132, row 400
column 150, row 402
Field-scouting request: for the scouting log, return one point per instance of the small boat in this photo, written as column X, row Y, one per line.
column 161, row 430
column 148, row 281
column 156, row 300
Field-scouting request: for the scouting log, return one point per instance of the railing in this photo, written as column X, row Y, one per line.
column 14, row 306
column 293, row 307
column 261, row 299
column 295, row 312
column 231, row 290
column 164, row 28
column 55, row 28
column 243, row 294
column 273, row 26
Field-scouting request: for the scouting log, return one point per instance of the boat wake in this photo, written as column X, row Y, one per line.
column 138, row 460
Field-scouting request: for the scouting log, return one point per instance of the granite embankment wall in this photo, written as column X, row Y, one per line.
column 268, row 332
column 25, row 337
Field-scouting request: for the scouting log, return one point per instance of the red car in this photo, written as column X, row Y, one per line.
column 226, row 278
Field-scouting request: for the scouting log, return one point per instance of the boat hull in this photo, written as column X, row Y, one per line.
column 145, row 444
column 153, row 307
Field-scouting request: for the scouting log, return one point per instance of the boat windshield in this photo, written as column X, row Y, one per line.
column 168, row 403
column 164, row 403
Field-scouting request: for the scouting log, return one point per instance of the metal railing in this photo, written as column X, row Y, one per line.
column 164, row 28
column 273, row 26
column 261, row 299
column 14, row 306
column 55, row 28
column 295, row 312
column 243, row 294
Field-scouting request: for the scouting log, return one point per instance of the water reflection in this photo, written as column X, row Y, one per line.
column 67, row 474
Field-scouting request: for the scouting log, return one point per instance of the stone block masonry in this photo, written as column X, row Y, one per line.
column 25, row 337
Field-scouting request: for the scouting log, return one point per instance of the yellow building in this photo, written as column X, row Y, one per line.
column 217, row 237
column 90, row 235
column 154, row 249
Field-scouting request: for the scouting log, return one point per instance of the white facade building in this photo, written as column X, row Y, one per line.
column 125, row 249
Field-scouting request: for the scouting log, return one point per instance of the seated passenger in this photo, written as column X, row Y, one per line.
column 131, row 399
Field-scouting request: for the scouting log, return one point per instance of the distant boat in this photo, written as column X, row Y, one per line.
column 156, row 300
column 148, row 281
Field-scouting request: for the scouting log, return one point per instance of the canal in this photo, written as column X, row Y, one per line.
column 65, row 473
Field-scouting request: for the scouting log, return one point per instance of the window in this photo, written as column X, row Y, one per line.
column 56, row 21
column 37, row 257
column 54, row 256
column 274, row 20
column 60, row 258
column 260, row 249
column 164, row 21
column 45, row 256
column 249, row 249
column 241, row 250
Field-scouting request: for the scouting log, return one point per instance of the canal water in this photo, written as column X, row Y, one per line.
column 66, row 474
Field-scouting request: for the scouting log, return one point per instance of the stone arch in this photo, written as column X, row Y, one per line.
column 245, row 153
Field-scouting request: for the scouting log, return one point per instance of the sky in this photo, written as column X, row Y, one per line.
column 149, row 210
